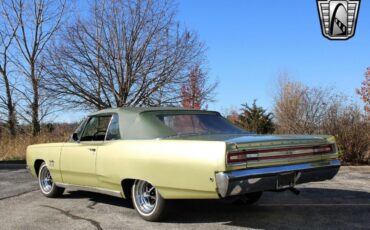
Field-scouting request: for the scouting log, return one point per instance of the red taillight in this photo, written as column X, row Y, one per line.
column 243, row 156
column 264, row 154
column 323, row 149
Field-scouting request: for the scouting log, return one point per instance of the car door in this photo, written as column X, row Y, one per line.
column 108, row 155
column 78, row 158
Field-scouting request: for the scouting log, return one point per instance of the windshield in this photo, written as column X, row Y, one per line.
column 194, row 124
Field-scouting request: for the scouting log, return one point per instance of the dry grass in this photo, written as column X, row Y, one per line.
column 15, row 149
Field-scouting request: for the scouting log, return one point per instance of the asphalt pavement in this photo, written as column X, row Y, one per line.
column 341, row 203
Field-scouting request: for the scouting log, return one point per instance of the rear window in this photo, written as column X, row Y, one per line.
column 192, row 124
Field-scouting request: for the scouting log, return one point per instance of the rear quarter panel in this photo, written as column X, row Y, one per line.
column 179, row 169
column 50, row 154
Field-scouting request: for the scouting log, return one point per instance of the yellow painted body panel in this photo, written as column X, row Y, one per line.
column 50, row 154
column 179, row 169
column 78, row 163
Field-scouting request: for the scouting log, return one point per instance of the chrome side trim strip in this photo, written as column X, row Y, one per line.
column 91, row 189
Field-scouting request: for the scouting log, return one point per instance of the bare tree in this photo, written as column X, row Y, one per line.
column 232, row 115
column 301, row 109
column 197, row 91
column 351, row 129
column 38, row 21
column 126, row 53
column 364, row 91
column 7, row 104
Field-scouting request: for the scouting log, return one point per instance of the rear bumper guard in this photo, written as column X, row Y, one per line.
column 270, row 178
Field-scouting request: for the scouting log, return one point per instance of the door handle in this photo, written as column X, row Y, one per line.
column 92, row 149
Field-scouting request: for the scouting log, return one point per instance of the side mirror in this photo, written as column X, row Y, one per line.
column 75, row 137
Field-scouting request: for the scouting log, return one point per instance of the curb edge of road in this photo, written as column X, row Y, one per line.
column 16, row 164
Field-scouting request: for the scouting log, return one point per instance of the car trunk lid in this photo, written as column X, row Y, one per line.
column 269, row 150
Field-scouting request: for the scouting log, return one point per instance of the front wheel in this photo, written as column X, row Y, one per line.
column 47, row 186
column 147, row 201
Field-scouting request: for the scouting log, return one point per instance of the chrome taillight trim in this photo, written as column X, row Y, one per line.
column 256, row 155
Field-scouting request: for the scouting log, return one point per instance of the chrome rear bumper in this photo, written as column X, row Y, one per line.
column 267, row 178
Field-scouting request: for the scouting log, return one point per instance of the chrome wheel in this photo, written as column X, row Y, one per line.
column 45, row 180
column 148, row 201
column 145, row 196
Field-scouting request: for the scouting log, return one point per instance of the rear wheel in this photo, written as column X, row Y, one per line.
column 249, row 198
column 147, row 201
column 47, row 186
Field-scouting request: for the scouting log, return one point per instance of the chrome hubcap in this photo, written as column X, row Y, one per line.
column 46, row 182
column 145, row 196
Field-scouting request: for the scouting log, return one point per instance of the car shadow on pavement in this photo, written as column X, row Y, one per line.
column 97, row 198
column 313, row 208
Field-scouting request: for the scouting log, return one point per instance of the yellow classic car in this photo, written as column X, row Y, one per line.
column 151, row 155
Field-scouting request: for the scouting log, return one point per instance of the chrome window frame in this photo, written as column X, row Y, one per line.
column 89, row 118
column 109, row 125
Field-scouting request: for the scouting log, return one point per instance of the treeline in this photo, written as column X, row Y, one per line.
column 299, row 109
column 115, row 53
column 135, row 53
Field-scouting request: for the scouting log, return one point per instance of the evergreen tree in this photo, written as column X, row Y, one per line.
column 255, row 119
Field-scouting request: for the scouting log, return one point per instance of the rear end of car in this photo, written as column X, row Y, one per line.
column 276, row 164
column 252, row 163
